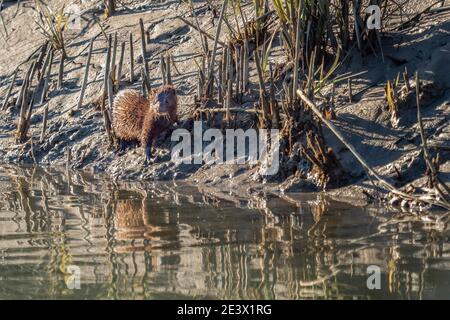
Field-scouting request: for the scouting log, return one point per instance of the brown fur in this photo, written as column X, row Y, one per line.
column 138, row 118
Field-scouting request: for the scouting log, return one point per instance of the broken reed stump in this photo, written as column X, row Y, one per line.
column 27, row 123
column 241, row 71
column 24, row 123
column 162, row 67
column 228, row 102
column 297, row 54
column 212, row 61
column 105, row 112
column 350, row 90
column 143, row 86
column 41, row 62
column 110, row 92
column 44, row 66
column 245, row 71
column 24, row 100
column 147, row 33
column 172, row 60
column 131, row 59
column 168, row 71
column 61, row 70
column 273, row 102
column 146, row 88
column 113, row 57
column 262, row 92
column 8, row 94
column 86, row 75
column 230, row 73
column 44, row 124
column 406, row 80
column 144, row 49
column 238, row 71
column 22, row 88
column 219, row 84
column 433, row 169
column 199, row 84
column 38, row 63
column 47, row 78
column 110, row 7
column 119, row 69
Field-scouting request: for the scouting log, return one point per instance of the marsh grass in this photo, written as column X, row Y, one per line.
column 52, row 25
column 316, row 37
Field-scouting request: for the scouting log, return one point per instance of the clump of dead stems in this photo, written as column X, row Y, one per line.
column 51, row 24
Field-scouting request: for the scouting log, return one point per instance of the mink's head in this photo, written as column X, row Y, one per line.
column 165, row 99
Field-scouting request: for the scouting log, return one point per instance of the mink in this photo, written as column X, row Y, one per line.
column 136, row 118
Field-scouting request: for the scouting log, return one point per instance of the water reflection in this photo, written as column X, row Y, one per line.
column 161, row 240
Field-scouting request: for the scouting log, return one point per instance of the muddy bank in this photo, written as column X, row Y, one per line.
column 75, row 137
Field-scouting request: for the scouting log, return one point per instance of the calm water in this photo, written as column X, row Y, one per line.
column 150, row 241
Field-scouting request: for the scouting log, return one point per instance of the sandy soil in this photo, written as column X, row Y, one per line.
column 393, row 151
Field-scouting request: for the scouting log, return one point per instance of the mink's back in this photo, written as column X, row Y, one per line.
column 128, row 114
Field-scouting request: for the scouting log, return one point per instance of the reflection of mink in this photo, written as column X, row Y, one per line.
column 136, row 118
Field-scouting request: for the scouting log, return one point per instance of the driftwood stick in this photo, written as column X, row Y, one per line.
column 86, row 75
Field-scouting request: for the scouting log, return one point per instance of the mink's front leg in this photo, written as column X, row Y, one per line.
column 148, row 154
column 122, row 145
